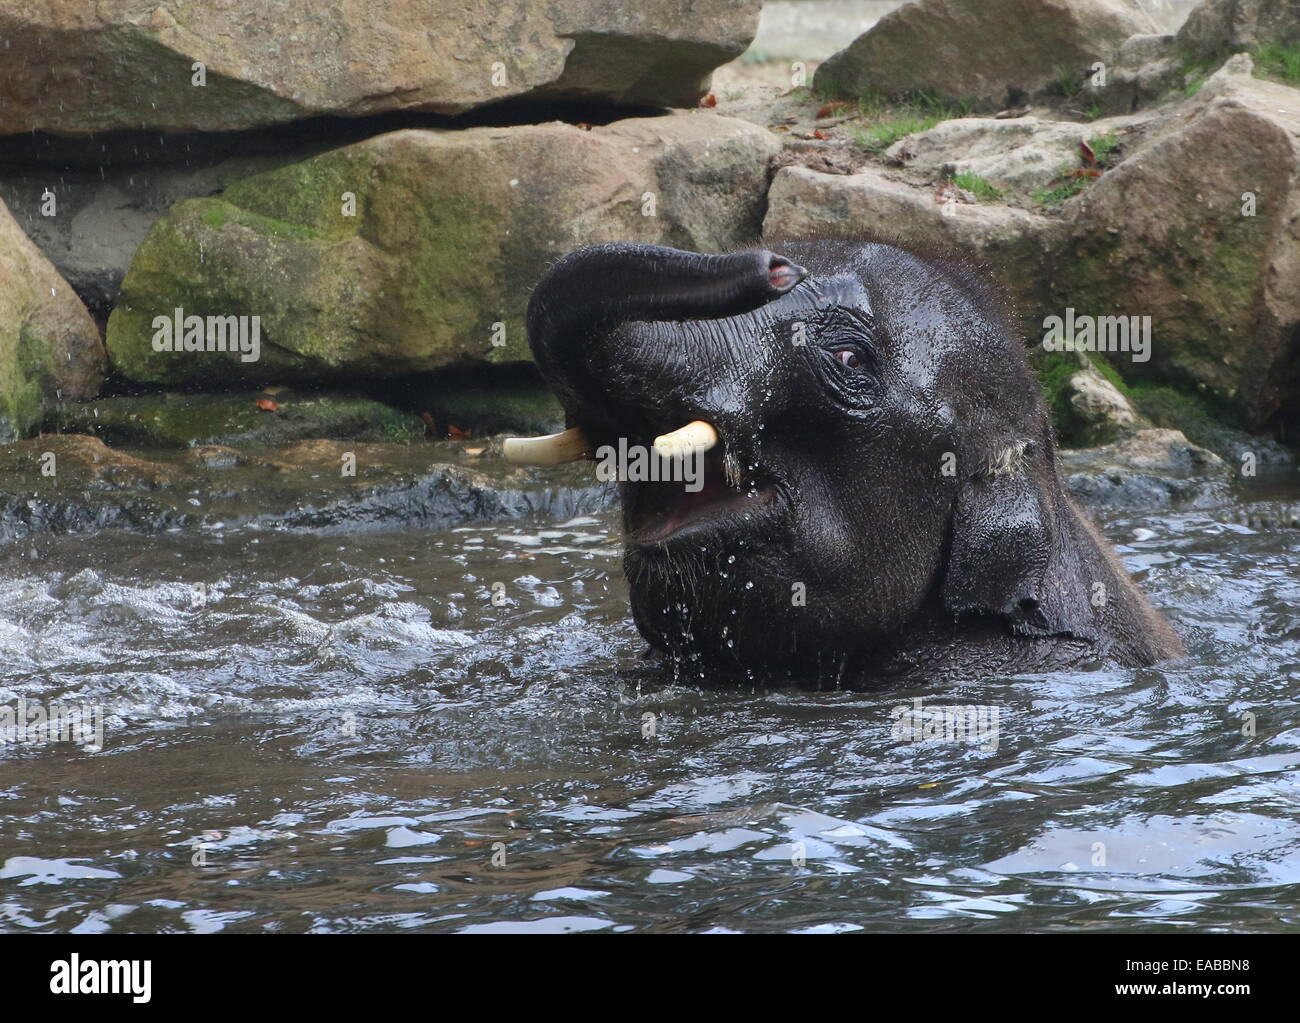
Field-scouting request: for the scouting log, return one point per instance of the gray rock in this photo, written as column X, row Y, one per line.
column 992, row 53
column 121, row 65
column 451, row 231
column 299, row 486
column 1219, row 27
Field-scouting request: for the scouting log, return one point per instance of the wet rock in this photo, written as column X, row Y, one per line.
column 123, row 65
column 1216, row 28
column 450, row 232
column 240, row 419
column 1152, row 468
column 76, row 484
column 1195, row 229
column 992, row 53
column 50, row 349
column 1099, row 413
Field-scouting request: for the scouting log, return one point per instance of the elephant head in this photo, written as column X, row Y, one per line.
column 879, row 490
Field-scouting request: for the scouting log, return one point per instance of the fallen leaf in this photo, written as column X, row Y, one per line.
column 584, row 126
column 1087, row 154
column 709, row 101
column 819, row 134
column 832, row 107
column 456, row 433
column 267, row 405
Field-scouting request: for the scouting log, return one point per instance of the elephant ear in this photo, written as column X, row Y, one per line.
column 1008, row 557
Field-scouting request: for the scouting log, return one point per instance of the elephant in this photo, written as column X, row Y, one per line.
column 880, row 501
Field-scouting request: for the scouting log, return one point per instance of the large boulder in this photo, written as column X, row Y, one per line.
column 50, row 349
column 1197, row 229
column 872, row 203
column 76, row 68
column 990, row 53
column 1218, row 27
column 417, row 250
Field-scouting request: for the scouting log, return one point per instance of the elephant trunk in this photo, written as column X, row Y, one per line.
column 601, row 286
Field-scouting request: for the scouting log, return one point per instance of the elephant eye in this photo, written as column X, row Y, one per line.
column 847, row 358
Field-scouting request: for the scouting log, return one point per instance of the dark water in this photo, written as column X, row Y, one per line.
column 347, row 731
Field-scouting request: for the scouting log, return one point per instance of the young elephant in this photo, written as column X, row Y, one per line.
column 880, row 499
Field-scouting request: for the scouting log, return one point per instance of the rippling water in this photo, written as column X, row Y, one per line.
column 348, row 734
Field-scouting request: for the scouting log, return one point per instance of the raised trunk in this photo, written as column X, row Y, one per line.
column 598, row 287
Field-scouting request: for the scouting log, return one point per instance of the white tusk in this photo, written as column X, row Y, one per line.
column 554, row 449
column 694, row 437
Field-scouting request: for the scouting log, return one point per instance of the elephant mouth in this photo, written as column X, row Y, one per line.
column 717, row 501
column 688, row 484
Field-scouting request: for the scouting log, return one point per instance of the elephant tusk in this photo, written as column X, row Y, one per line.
column 554, row 449
column 697, row 436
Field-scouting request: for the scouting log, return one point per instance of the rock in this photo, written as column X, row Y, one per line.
column 104, row 212
column 1167, row 452
column 235, row 419
column 1020, row 154
column 120, row 64
column 991, row 53
column 1149, row 469
column 1217, row 28
column 1099, row 409
column 804, row 204
column 319, row 485
column 451, row 231
column 1167, row 234
column 50, row 349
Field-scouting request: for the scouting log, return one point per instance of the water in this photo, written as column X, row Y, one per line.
column 343, row 733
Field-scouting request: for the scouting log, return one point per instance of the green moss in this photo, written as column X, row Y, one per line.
column 981, row 188
column 1104, row 148
column 1067, row 83
column 896, row 118
column 1065, row 187
column 1070, row 181
column 171, row 420
column 24, row 362
column 1054, row 371
column 309, row 195
column 1201, row 418
column 1278, row 60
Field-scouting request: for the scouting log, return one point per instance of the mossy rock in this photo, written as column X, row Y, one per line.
column 49, row 347
column 173, row 420
column 417, row 250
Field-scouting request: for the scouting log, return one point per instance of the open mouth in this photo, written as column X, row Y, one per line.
column 656, row 512
column 694, row 485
